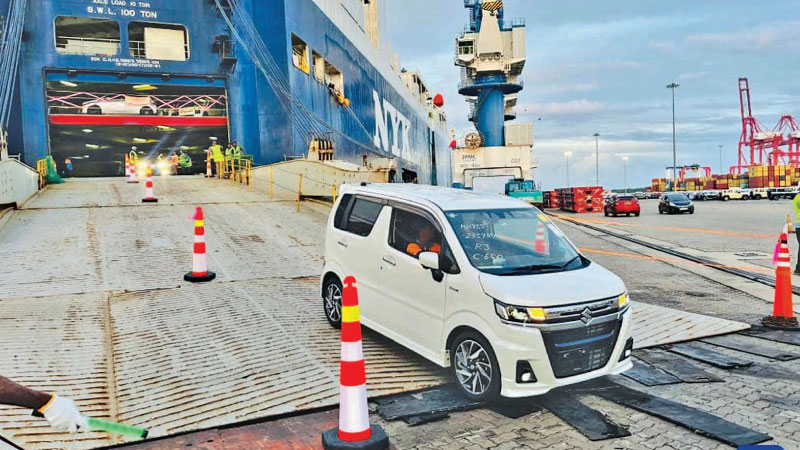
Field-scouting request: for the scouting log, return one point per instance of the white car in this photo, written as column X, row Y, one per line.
column 129, row 105
column 735, row 194
column 482, row 283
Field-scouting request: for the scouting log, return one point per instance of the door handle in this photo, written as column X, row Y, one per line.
column 342, row 243
column 389, row 260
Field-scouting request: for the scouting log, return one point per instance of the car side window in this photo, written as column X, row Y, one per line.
column 412, row 233
column 362, row 216
column 341, row 213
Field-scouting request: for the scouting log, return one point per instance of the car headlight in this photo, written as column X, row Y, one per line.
column 519, row 314
column 622, row 301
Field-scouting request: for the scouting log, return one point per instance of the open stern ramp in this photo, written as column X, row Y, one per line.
column 94, row 307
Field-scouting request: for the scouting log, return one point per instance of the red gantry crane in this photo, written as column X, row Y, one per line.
column 758, row 145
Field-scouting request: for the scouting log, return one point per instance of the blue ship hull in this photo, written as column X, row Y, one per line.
column 255, row 118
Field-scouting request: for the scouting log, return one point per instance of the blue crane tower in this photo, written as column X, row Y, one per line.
column 491, row 54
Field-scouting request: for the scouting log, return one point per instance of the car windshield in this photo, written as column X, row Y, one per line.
column 513, row 241
column 678, row 197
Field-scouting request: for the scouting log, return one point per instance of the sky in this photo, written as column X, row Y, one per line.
column 603, row 66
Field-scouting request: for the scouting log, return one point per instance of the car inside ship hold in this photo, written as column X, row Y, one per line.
column 94, row 121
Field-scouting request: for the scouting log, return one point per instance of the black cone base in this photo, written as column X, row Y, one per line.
column 781, row 323
column 378, row 441
column 149, row 200
column 207, row 277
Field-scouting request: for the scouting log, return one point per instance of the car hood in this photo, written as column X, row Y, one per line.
column 553, row 289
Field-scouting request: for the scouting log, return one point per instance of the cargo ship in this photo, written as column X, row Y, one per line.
column 98, row 79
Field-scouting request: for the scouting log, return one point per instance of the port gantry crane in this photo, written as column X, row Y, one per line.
column 758, row 145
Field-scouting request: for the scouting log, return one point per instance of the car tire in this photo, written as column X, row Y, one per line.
column 627, row 214
column 332, row 301
column 725, row 198
column 757, row 197
column 470, row 374
column 691, row 210
column 636, row 214
column 605, row 211
column 94, row 110
column 745, row 197
column 146, row 111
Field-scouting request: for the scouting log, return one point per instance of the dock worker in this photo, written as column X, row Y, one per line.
column 425, row 243
column 796, row 208
column 67, row 168
column 60, row 412
column 218, row 157
column 174, row 162
column 185, row 162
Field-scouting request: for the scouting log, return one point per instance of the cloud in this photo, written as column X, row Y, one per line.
column 777, row 36
column 572, row 107
column 662, row 47
column 571, row 87
column 693, row 75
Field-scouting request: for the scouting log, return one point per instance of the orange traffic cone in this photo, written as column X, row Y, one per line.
column 127, row 167
column 782, row 310
column 199, row 271
column 540, row 244
column 149, row 194
column 354, row 430
column 132, row 178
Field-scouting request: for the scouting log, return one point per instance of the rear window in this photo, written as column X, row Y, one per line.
column 625, row 198
column 357, row 215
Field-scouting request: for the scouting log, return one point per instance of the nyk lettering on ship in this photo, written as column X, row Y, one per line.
column 401, row 126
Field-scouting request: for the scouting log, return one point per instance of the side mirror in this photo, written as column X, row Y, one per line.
column 429, row 260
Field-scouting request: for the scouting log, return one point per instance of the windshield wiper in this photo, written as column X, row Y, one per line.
column 539, row 267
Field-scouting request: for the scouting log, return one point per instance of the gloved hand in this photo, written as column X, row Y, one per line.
column 63, row 415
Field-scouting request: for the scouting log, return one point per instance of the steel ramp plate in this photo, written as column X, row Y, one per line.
column 514, row 408
column 699, row 353
column 442, row 399
column 650, row 376
column 588, row 421
column 677, row 366
column 785, row 337
column 656, row 325
column 693, row 419
column 747, row 345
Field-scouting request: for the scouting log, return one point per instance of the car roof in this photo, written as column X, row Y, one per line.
column 447, row 199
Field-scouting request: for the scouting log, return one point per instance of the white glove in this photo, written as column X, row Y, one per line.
column 64, row 416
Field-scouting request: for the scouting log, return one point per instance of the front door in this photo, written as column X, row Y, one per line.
column 411, row 302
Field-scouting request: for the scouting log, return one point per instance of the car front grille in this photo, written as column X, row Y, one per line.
column 579, row 350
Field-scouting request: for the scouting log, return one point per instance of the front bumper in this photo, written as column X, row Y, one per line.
column 517, row 343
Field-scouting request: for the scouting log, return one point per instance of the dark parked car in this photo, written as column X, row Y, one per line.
column 622, row 204
column 675, row 203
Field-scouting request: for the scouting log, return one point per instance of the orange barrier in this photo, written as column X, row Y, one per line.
column 149, row 192
column 199, row 273
column 782, row 310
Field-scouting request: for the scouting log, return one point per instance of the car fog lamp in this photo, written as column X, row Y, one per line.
column 622, row 301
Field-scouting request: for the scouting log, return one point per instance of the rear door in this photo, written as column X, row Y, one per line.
column 356, row 244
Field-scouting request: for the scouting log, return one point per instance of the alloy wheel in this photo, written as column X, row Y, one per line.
column 333, row 303
column 473, row 367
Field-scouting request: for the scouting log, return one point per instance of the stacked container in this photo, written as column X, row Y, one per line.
column 581, row 199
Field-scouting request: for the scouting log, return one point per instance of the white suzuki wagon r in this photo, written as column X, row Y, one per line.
column 485, row 284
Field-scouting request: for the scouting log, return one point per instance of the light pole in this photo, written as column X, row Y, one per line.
column 721, row 167
column 568, row 154
column 673, row 86
column 597, row 158
column 625, row 172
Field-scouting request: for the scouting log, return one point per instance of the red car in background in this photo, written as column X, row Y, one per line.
column 622, row 204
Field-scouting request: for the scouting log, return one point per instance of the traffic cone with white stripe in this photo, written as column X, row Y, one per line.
column 354, row 430
column 208, row 166
column 782, row 310
column 149, row 193
column 132, row 178
column 540, row 244
column 127, row 167
column 199, row 273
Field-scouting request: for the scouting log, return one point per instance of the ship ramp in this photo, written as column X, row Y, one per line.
column 93, row 306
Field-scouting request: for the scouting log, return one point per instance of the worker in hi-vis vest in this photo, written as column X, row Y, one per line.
column 796, row 207
column 60, row 412
column 218, row 157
